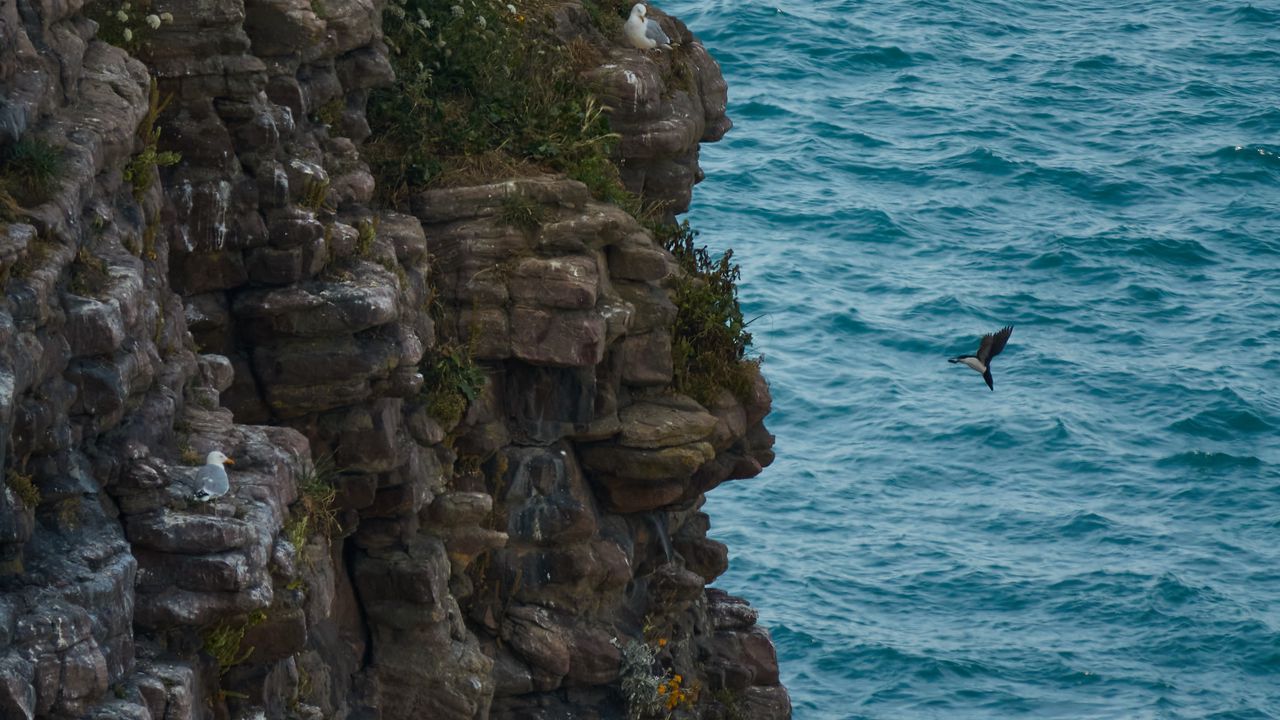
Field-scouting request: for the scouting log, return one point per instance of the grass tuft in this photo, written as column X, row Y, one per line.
column 89, row 276
column 452, row 382
column 31, row 171
column 366, row 236
column 36, row 255
column 522, row 212
column 23, row 486
column 314, row 193
column 314, row 511
column 223, row 642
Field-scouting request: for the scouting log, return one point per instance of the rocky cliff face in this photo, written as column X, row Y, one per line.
column 386, row 550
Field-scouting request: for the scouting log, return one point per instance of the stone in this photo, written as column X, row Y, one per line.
column 282, row 634
column 550, row 402
column 766, row 703
column 565, row 339
column 709, row 558
column 511, row 676
column 679, row 462
column 93, row 327
column 456, row 509
column 646, row 359
column 534, row 636
column 216, row 371
column 728, row 612
column 547, row 502
column 594, row 659
column 322, row 309
column 282, row 27
column 174, row 532
column 17, row 694
column 568, row 283
column 638, row 258
column 667, row 422
column 405, row 234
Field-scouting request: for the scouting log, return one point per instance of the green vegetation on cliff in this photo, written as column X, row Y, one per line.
column 710, row 339
column 30, row 171
column 483, row 90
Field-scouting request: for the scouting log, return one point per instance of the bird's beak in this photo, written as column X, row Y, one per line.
column 228, row 461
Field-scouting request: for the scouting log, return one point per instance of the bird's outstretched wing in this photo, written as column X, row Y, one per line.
column 993, row 343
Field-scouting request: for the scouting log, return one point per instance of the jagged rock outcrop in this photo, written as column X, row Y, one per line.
column 377, row 557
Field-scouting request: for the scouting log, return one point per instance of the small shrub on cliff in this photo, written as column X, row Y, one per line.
column 710, row 339
column 9, row 208
column 127, row 24
column 367, row 235
column 37, row 256
column 648, row 689
column 21, row 484
column 476, row 78
column 141, row 170
column 223, row 643
column 452, row 381
column 30, row 170
column 313, row 512
column 521, row 212
column 608, row 15
column 315, row 193
column 89, row 276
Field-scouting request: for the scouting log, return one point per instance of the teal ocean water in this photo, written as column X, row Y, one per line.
column 1100, row 536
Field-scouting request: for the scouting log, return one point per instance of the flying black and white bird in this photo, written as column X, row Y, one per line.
column 642, row 33
column 991, row 345
column 211, row 478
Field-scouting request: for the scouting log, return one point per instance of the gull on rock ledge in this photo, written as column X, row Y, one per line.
column 211, row 478
column 642, row 33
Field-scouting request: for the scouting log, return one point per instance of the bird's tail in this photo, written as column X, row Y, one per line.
column 954, row 359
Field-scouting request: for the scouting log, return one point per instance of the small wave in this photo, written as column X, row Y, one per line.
column 1084, row 523
column 1170, row 591
column 1185, row 252
column 1265, row 120
column 1054, row 260
column 1245, row 57
column 1202, row 460
column 1263, row 154
column 1087, row 185
column 982, row 160
column 760, row 110
column 1200, row 89
column 1222, row 424
column 880, row 56
column 1097, row 62
column 1255, row 15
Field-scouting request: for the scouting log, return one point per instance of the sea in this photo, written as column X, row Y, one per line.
column 1098, row 537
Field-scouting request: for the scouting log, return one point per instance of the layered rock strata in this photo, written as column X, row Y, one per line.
column 251, row 300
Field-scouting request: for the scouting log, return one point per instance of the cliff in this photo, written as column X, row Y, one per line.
column 468, row 469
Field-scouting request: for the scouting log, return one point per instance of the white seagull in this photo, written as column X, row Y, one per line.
column 991, row 345
column 211, row 478
column 644, row 34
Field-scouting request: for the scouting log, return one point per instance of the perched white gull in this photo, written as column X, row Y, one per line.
column 211, row 478
column 991, row 345
column 642, row 33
